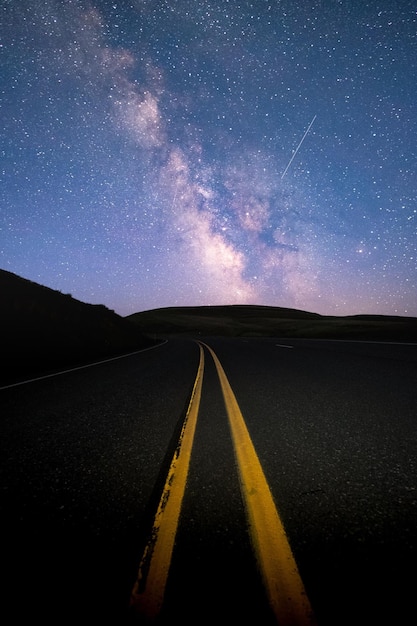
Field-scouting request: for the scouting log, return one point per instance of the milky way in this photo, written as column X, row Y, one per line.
column 144, row 145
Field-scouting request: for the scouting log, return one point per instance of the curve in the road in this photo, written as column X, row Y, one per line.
column 282, row 581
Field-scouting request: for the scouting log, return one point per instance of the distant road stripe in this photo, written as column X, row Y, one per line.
column 82, row 367
column 279, row 570
column 282, row 345
column 148, row 591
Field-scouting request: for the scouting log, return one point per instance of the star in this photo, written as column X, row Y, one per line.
column 157, row 154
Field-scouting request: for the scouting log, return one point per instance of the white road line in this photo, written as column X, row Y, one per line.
column 81, row 367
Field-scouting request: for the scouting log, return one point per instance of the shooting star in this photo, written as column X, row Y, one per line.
column 299, row 146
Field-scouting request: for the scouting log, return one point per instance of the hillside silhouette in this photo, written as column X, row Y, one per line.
column 44, row 330
column 268, row 321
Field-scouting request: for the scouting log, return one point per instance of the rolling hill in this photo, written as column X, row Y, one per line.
column 266, row 321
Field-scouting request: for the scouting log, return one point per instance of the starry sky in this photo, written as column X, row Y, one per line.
column 160, row 153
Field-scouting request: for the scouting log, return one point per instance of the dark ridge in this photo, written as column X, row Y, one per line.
column 43, row 330
column 266, row 321
column 240, row 311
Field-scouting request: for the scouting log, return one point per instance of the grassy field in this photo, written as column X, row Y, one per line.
column 263, row 321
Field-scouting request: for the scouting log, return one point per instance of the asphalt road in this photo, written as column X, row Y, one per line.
column 84, row 457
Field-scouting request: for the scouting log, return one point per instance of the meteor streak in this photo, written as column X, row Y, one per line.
column 298, row 147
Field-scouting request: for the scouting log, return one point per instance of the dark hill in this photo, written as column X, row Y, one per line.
column 266, row 321
column 42, row 329
column 227, row 320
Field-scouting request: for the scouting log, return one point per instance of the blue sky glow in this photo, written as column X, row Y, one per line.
column 144, row 145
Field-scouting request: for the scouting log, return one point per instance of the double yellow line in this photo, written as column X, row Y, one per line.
column 277, row 565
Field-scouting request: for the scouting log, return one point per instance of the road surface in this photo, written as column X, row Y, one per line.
column 331, row 429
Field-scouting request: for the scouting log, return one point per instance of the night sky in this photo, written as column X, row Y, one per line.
column 160, row 153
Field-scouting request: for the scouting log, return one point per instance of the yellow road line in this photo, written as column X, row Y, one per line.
column 148, row 591
column 282, row 580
